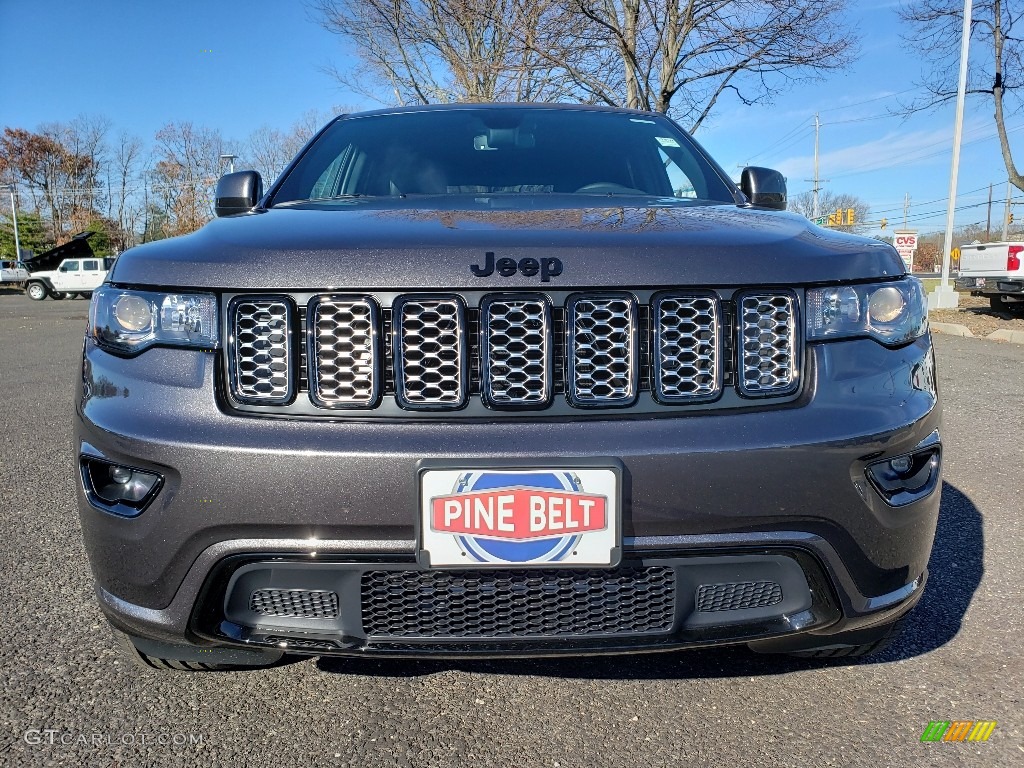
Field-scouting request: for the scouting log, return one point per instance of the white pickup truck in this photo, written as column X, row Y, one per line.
column 74, row 277
column 994, row 270
column 13, row 273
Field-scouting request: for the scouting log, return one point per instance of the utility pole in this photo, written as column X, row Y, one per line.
column 944, row 296
column 817, row 130
column 231, row 162
column 816, row 189
column 906, row 208
column 14, row 216
column 1006, row 212
column 988, row 226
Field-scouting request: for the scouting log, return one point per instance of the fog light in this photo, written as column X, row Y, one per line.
column 905, row 479
column 901, row 464
column 116, row 488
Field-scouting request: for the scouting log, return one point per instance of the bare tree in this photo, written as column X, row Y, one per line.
column 673, row 56
column 996, row 59
column 427, row 51
column 186, row 173
column 268, row 150
column 125, row 182
column 831, row 203
column 681, row 56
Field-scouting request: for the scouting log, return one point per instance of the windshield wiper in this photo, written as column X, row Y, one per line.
column 352, row 196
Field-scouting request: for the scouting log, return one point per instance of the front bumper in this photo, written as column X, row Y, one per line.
column 779, row 481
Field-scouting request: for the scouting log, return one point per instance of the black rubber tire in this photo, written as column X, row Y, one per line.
column 836, row 650
column 87, row 295
column 58, row 296
column 139, row 659
column 73, row 295
column 36, row 291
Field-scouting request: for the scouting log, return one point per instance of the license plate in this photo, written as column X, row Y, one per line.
column 501, row 517
column 979, row 282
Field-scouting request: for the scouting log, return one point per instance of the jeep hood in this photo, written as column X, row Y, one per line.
column 356, row 245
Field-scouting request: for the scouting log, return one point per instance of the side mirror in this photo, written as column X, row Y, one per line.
column 764, row 187
column 237, row 193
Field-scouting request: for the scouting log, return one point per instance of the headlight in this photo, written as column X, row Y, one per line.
column 130, row 321
column 893, row 313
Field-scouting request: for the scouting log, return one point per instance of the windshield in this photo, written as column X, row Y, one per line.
column 473, row 151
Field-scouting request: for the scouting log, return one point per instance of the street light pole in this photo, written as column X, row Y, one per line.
column 14, row 216
column 944, row 296
column 231, row 162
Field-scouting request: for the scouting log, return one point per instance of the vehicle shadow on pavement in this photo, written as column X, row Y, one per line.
column 955, row 571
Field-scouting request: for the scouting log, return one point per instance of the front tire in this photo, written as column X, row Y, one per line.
column 58, row 296
column 36, row 291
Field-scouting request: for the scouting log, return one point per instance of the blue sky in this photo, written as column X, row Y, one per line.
column 239, row 65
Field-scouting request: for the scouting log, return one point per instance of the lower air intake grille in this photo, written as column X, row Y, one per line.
column 732, row 597
column 518, row 603
column 298, row 603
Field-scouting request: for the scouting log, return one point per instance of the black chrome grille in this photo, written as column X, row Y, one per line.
column 767, row 341
column 430, row 352
column 687, row 347
column 518, row 603
column 309, row 353
column 603, row 367
column 343, row 352
column 515, row 364
column 261, row 360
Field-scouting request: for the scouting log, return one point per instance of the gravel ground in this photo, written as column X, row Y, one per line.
column 976, row 314
column 67, row 697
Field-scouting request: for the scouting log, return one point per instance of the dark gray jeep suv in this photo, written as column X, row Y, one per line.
column 488, row 380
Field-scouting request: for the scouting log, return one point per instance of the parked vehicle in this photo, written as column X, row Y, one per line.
column 13, row 273
column 74, row 277
column 485, row 380
column 994, row 270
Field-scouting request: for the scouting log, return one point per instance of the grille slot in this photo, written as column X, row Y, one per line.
column 603, row 359
column 262, row 353
column 430, row 353
column 687, row 348
column 733, row 597
column 516, row 351
column 518, row 603
column 296, row 603
column 767, row 343
column 343, row 352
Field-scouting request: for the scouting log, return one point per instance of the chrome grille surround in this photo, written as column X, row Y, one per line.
column 687, row 347
column 602, row 350
column 516, row 351
column 343, row 351
column 261, row 350
column 431, row 352
column 767, row 343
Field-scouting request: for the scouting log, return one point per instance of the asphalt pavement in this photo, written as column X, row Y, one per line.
column 67, row 697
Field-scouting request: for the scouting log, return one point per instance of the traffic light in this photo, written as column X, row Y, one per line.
column 1010, row 220
column 884, row 222
column 849, row 216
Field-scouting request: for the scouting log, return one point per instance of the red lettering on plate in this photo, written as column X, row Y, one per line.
column 519, row 513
